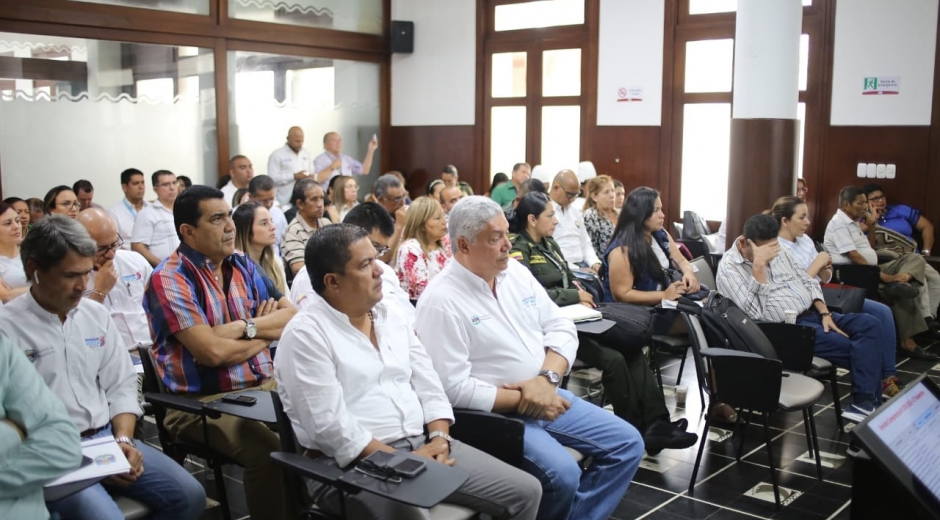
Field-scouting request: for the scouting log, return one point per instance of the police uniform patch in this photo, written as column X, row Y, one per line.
column 537, row 259
column 516, row 254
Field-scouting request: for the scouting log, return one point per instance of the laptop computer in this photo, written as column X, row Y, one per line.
column 903, row 436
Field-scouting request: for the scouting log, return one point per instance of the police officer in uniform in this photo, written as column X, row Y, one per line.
column 629, row 384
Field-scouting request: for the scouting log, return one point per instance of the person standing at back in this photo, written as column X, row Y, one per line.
column 125, row 211
column 288, row 164
column 333, row 161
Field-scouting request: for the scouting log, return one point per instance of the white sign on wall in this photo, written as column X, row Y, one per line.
column 882, row 86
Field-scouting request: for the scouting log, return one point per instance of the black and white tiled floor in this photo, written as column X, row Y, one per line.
column 725, row 489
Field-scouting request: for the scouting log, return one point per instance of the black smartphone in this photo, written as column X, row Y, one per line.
column 409, row 468
column 244, row 400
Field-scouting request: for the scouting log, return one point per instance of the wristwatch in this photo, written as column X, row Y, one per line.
column 552, row 376
column 124, row 439
column 251, row 330
column 437, row 433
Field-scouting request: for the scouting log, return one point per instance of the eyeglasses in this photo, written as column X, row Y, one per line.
column 879, row 198
column 396, row 200
column 380, row 250
column 70, row 205
column 572, row 194
column 369, row 468
column 103, row 250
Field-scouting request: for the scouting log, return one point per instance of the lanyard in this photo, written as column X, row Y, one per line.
column 129, row 207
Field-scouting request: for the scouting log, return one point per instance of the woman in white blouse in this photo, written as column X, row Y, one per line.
column 792, row 214
column 12, row 275
column 425, row 248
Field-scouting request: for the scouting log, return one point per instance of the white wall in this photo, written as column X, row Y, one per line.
column 630, row 57
column 436, row 85
column 884, row 38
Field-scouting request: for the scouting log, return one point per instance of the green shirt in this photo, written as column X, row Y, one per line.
column 504, row 194
column 548, row 266
column 51, row 448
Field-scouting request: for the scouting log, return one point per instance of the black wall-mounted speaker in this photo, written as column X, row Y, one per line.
column 403, row 37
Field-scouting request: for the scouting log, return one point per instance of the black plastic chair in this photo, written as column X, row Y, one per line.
column 757, row 384
column 867, row 277
column 156, row 394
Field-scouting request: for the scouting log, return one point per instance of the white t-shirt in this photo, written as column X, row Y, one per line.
column 283, row 163
column 155, row 228
column 125, row 302
column 12, row 272
column 124, row 215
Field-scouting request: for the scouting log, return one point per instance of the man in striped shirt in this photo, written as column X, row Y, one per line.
column 765, row 282
column 212, row 319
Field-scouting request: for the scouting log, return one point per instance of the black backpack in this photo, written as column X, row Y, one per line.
column 728, row 326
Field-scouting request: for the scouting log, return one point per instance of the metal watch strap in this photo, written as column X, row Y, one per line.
column 437, row 433
column 124, row 439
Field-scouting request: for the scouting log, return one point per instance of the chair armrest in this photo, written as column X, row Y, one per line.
column 794, row 344
column 492, row 433
column 712, row 353
column 176, row 402
column 310, row 468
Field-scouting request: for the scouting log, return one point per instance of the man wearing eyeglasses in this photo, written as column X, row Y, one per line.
column 378, row 223
column 389, row 192
column 570, row 234
column 155, row 236
column 118, row 279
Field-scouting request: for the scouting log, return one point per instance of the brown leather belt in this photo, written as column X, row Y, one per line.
column 91, row 431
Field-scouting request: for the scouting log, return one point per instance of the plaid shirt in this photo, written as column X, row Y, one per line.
column 183, row 293
column 788, row 286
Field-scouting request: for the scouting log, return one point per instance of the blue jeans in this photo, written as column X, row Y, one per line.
column 165, row 486
column 889, row 336
column 860, row 352
column 615, row 446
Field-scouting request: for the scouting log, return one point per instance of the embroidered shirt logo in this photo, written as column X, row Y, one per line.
column 30, row 355
column 529, row 302
column 95, row 342
column 132, row 277
column 476, row 320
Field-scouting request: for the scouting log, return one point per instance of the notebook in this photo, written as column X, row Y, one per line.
column 579, row 313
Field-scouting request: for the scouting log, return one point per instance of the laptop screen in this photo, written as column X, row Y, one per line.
column 908, row 429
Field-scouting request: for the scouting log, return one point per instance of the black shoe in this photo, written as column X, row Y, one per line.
column 662, row 435
column 681, row 424
column 900, row 290
column 918, row 353
column 932, row 323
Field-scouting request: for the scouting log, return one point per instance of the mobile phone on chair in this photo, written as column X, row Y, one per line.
column 244, row 400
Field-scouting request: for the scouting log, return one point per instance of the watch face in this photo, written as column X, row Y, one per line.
column 251, row 330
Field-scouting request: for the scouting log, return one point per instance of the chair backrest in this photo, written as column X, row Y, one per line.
column 865, row 276
column 748, row 381
column 677, row 229
column 153, row 384
column 696, row 247
column 699, row 341
column 704, row 274
column 284, row 426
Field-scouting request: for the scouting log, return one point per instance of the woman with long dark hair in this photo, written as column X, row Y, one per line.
column 641, row 251
column 628, row 382
column 255, row 236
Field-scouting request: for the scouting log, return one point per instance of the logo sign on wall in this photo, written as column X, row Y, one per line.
column 882, row 86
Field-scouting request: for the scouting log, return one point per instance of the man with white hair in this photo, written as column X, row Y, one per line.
column 500, row 344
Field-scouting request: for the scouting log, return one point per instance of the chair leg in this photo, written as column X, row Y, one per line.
column 812, row 427
column 747, row 423
column 809, row 433
column 836, row 402
column 654, row 361
column 698, row 457
column 770, row 460
column 681, row 367
column 220, row 487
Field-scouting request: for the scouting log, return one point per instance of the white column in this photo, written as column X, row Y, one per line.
column 767, row 59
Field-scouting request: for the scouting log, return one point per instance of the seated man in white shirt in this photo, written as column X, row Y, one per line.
column 240, row 173
column 500, row 344
column 155, row 236
column 75, row 346
column 118, row 279
column 346, row 402
column 570, row 234
column 903, row 279
column 372, row 217
column 125, row 211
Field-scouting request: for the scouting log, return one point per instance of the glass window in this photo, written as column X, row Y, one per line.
column 804, row 60
column 509, row 74
column 719, row 6
column 708, row 65
column 363, row 16
column 178, row 6
column 545, row 13
column 270, row 93
column 801, row 115
column 706, row 144
column 507, row 138
column 561, row 137
column 561, row 72
column 103, row 106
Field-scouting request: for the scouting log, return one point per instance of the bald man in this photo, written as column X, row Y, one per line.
column 570, row 234
column 118, row 279
column 288, row 164
column 333, row 161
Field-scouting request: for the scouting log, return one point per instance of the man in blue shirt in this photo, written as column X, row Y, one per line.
column 906, row 220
